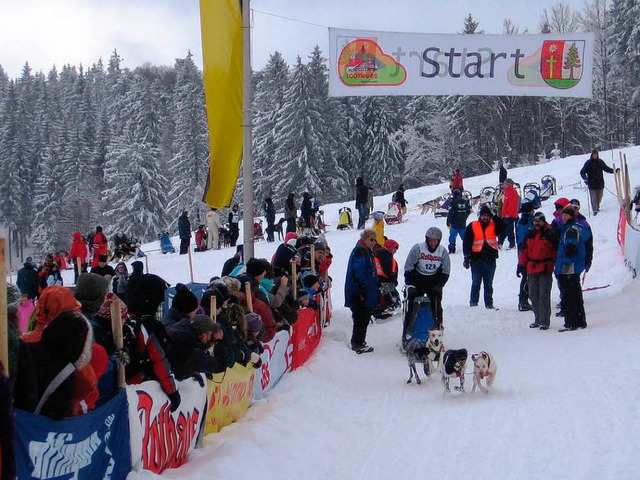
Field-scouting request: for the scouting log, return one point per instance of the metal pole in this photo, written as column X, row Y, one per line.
column 247, row 121
column 4, row 321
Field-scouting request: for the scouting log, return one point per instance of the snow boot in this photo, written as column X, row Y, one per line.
column 452, row 249
column 524, row 307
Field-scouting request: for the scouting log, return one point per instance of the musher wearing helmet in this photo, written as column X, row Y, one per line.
column 426, row 271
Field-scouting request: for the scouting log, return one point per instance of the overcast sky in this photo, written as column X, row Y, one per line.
column 48, row 32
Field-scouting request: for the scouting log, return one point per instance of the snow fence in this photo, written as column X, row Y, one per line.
column 137, row 430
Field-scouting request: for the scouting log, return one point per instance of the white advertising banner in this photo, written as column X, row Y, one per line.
column 367, row 63
column 161, row 438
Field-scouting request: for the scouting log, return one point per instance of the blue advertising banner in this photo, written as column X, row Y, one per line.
column 92, row 446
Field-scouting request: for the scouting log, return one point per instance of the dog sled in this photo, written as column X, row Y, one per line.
column 394, row 213
column 417, row 318
column 345, row 220
column 165, row 243
column 531, row 194
column 488, row 197
column 547, row 187
column 389, row 301
column 442, row 210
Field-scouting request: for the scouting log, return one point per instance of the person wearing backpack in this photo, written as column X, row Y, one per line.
column 459, row 210
column 570, row 263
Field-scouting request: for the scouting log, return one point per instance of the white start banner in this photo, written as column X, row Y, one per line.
column 367, row 63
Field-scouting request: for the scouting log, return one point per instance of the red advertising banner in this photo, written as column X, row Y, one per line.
column 305, row 336
column 622, row 229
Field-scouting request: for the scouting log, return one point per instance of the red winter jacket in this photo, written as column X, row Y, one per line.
column 539, row 250
column 78, row 248
column 511, row 203
column 457, row 182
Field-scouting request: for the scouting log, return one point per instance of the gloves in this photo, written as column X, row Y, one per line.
column 467, row 263
column 436, row 290
column 255, row 358
column 175, row 400
column 520, row 270
column 198, row 378
column 122, row 357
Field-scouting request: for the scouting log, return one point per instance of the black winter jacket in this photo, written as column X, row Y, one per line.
column 592, row 173
column 188, row 356
column 459, row 210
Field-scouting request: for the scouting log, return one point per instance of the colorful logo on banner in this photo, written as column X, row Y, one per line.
column 166, row 440
column 363, row 62
column 95, row 445
column 561, row 62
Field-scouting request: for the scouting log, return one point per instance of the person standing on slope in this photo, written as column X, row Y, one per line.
column 184, row 232
column 213, row 225
column 592, row 174
column 480, row 248
column 361, row 289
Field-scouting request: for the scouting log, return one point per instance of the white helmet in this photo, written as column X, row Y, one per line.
column 433, row 233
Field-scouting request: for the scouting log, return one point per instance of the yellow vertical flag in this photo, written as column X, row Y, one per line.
column 221, row 29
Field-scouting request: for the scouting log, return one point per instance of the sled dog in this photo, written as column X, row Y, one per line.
column 453, row 365
column 484, row 366
column 427, row 353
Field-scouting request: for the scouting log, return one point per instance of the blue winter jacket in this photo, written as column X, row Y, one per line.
column 579, row 259
column 362, row 279
column 525, row 223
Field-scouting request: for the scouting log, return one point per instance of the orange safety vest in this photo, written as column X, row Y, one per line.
column 480, row 236
column 380, row 272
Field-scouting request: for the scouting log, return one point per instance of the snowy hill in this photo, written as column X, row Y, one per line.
column 563, row 405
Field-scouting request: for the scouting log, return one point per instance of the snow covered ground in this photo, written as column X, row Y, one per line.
column 564, row 405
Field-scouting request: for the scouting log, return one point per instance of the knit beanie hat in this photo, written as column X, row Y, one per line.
column 509, row 181
column 309, row 281
column 561, row 202
column 569, row 211
column 185, row 300
column 255, row 267
column 254, row 322
column 389, row 244
column 319, row 246
column 205, row 300
column 575, row 202
column 485, row 210
column 145, row 295
column 105, row 308
column 202, row 323
column 137, row 267
column 539, row 216
column 90, row 290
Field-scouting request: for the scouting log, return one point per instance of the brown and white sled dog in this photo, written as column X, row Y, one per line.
column 429, row 353
column 429, row 206
column 453, row 366
column 484, row 366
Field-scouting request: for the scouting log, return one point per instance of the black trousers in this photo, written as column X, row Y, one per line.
column 572, row 301
column 234, row 233
column 184, row 245
column 361, row 315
